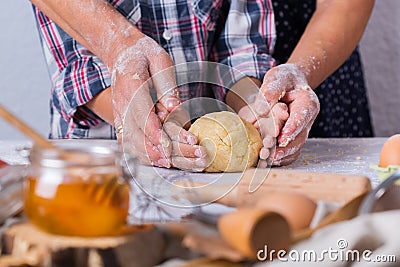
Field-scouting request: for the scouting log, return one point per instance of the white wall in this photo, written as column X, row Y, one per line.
column 380, row 49
column 24, row 80
column 25, row 83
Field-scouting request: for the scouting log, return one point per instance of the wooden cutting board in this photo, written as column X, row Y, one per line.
column 255, row 183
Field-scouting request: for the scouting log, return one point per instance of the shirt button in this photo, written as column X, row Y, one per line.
column 167, row 35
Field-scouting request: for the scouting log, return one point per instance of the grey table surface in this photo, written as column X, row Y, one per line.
column 341, row 155
column 334, row 155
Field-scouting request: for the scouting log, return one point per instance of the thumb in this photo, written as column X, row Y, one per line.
column 164, row 81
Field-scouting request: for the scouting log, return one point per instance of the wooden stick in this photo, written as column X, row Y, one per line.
column 25, row 129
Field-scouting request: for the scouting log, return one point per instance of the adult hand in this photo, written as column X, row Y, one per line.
column 269, row 125
column 287, row 84
column 135, row 69
column 186, row 155
column 132, row 58
column 241, row 98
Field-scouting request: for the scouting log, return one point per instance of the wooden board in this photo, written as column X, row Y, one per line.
column 256, row 183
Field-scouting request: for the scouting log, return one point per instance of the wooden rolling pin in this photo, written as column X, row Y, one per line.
column 330, row 187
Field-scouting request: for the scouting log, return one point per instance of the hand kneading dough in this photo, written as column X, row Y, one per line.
column 232, row 143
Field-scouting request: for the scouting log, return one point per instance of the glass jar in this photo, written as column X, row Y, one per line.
column 79, row 193
column 11, row 181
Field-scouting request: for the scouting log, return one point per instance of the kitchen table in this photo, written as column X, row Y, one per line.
column 341, row 155
column 335, row 155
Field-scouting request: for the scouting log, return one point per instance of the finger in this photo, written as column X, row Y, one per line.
column 190, row 164
column 280, row 111
column 269, row 141
column 188, row 151
column 262, row 163
column 304, row 108
column 143, row 159
column 264, row 153
column 161, row 112
column 272, row 125
column 140, row 105
column 266, row 126
column 163, row 78
column 177, row 133
column 119, row 101
column 143, row 112
column 169, row 97
column 262, row 105
column 280, row 115
column 142, row 147
column 293, row 148
column 173, row 124
column 180, row 116
column 286, row 161
column 248, row 113
column 283, row 152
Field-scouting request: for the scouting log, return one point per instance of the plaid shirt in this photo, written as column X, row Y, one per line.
column 188, row 30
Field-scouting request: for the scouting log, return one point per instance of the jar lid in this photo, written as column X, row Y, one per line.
column 81, row 152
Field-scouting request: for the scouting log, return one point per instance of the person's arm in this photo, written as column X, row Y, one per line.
column 101, row 104
column 95, row 24
column 132, row 58
column 330, row 37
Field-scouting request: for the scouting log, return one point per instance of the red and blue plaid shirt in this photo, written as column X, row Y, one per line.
column 240, row 34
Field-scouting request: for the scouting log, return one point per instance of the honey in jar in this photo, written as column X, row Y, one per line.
column 84, row 194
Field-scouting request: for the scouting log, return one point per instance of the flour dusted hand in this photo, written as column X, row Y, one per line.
column 186, row 154
column 268, row 125
column 138, row 67
column 287, row 84
column 132, row 67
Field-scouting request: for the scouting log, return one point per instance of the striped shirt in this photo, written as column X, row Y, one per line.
column 239, row 34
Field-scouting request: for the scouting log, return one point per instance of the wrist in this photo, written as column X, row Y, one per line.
column 120, row 44
column 312, row 63
column 297, row 74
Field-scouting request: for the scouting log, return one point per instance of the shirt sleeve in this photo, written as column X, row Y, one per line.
column 77, row 75
column 246, row 41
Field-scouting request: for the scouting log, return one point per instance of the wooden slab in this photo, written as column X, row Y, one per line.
column 256, row 183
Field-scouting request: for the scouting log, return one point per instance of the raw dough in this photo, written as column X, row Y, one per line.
column 232, row 143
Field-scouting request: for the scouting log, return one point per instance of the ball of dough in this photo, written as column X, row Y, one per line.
column 232, row 143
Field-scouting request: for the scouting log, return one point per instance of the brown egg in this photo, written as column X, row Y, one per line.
column 298, row 209
column 390, row 153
